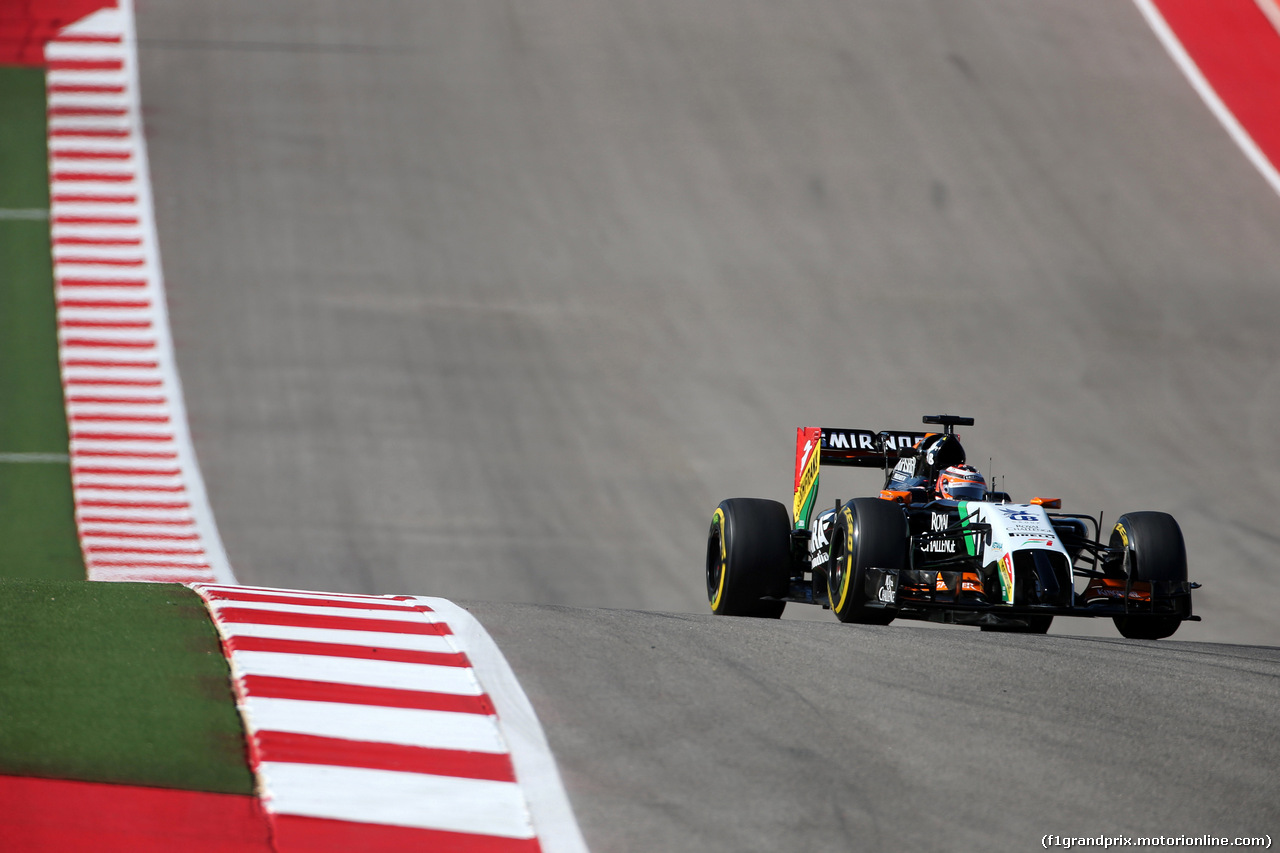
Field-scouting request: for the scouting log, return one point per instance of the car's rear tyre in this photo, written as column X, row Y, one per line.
column 748, row 557
column 1156, row 553
column 868, row 533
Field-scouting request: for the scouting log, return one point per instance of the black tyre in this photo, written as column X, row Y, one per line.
column 868, row 533
column 1156, row 553
column 748, row 557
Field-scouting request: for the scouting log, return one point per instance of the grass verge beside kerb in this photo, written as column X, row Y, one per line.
column 37, row 519
column 116, row 682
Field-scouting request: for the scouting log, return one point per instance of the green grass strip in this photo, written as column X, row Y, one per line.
column 37, row 523
column 116, row 682
column 22, row 138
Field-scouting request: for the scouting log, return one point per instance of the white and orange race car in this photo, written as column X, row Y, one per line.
column 937, row 545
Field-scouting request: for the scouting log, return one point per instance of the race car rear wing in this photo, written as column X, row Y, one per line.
column 861, row 448
column 856, row 448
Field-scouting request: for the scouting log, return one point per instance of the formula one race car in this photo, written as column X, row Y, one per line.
column 937, row 545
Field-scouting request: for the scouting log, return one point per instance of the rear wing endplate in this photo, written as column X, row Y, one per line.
column 856, row 448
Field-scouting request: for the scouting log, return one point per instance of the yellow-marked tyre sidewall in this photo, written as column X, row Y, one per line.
column 838, row 597
column 717, row 524
column 874, row 534
column 1157, row 552
column 748, row 562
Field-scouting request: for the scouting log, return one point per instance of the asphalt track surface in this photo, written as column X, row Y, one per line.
column 496, row 301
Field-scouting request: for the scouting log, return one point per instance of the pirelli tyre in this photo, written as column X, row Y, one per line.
column 748, row 558
column 1156, row 552
column 868, row 533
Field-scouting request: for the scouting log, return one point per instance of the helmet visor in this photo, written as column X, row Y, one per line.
column 967, row 491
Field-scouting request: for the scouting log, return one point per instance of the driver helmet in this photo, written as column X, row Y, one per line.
column 962, row 483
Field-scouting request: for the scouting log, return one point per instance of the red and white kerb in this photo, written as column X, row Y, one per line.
column 368, row 721
column 374, row 722
column 140, row 501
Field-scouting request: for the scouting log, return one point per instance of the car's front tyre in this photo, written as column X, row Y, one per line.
column 1156, row 552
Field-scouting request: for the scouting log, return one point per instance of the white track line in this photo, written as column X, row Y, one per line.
column 24, row 213
column 1198, row 82
column 34, row 458
column 535, row 766
column 1272, row 11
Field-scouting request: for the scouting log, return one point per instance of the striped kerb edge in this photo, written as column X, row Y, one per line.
column 387, row 722
column 374, row 722
column 139, row 498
